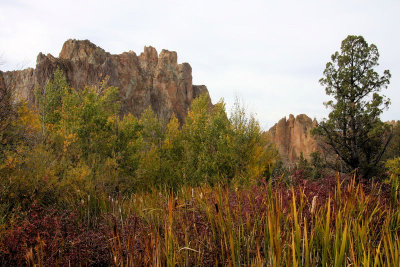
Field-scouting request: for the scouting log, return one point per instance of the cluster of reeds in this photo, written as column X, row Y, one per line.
column 331, row 222
column 264, row 226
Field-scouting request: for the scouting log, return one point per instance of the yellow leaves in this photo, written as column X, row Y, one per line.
column 394, row 166
column 69, row 139
column 111, row 120
column 77, row 180
column 168, row 144
column 27, row 119
column 11, row 162
column 173, row 133
column 12, row 159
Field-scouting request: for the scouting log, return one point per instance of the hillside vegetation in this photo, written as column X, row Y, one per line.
column 85, row 183
column 82, row 185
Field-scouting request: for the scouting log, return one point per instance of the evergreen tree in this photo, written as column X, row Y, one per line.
column 353, row 128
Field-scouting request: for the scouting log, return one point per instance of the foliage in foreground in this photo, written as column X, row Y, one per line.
column 328, row 222
column 77, row 144
column 82, row 185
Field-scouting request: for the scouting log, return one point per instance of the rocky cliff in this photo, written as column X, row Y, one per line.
column 292, row 136
column 150, row 79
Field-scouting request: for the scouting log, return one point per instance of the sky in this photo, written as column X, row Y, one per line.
column 268, row 54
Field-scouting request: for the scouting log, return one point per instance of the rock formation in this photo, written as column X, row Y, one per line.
column 2, row 86
column 3, row 100
column 145, row 80
column 292, row 136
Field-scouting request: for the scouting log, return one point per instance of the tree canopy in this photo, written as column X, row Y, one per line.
column 77, row 143
column 354, row 129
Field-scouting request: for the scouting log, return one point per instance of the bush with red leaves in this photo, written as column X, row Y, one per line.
column 66, row 240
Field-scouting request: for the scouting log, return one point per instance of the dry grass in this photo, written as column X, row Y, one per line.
column 326, row 223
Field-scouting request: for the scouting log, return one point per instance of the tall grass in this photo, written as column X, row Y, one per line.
column 274, row 226
column 334, row 222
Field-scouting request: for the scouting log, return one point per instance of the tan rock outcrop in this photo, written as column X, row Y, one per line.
column 292, row 136
column 145, row 80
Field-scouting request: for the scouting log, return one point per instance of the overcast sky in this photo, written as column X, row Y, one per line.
column 269, row 54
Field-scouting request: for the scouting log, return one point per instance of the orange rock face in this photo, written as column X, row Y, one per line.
column 145, row 80
column 292, row 136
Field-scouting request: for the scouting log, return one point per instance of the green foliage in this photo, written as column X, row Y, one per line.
column 317, row 164
column 87, row 149
column 50, row 100
column 218, row 148
column 393, row 167
column 393, row 149
column 313, row 169
column 149, row 172
column 128, row 145
column 304, row 165
column 353, row 128
column 173, row 155
column 253, row 155
column 92, row 162
column 7, row 115
column 206, row 148
column 28, row 176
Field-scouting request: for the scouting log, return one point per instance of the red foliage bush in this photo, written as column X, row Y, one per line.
column 65, row 240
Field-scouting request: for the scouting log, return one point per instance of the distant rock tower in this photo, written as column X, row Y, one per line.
column 292, row 136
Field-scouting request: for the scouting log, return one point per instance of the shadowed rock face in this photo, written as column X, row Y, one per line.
column 292, row 136
column 2, row 86
column 145, row 80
